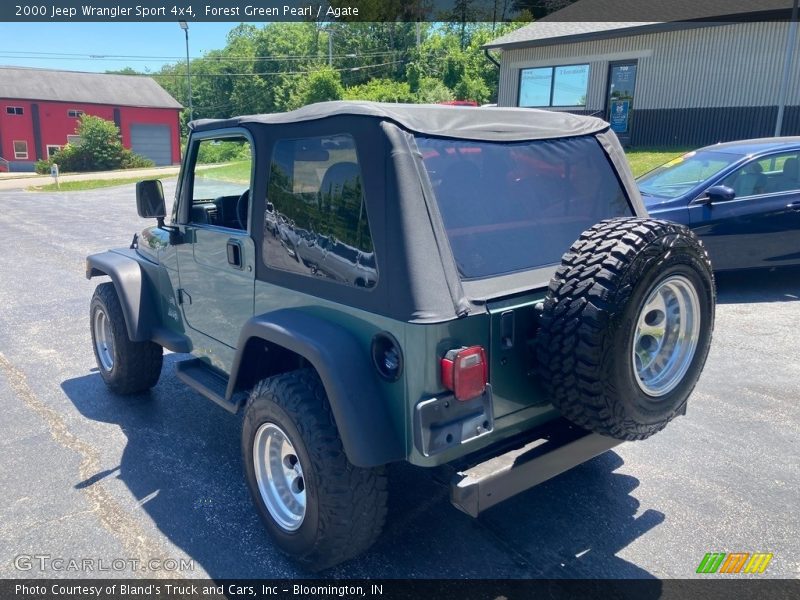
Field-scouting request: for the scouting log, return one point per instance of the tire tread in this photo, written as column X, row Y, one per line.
column 353, row 499
column 596, row 278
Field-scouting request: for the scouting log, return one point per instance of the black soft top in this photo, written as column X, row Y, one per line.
column 462, row 122
column 419, row 281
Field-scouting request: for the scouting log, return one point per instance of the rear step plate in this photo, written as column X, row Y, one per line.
column 558, row 447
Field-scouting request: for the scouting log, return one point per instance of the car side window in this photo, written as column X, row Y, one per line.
column 221, row 183
column 315, row 221
column 771, row 174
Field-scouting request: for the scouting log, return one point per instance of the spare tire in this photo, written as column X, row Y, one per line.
column 626, row 326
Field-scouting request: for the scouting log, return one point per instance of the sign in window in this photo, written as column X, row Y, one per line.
column 565, row 85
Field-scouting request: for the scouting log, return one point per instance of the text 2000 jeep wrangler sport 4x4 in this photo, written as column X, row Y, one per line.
column 374, row 283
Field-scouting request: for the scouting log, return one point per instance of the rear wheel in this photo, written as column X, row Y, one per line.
column 626, row 326
column 127, row 367
column 318, row 507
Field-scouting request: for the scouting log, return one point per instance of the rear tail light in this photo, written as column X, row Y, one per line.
column 465, row 372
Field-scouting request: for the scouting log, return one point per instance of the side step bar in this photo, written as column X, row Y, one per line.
column 208, row 381
column 558, row 447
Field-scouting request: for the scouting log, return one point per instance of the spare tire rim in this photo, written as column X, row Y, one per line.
column 666, row 335
column 279, row 475
column 103, row 340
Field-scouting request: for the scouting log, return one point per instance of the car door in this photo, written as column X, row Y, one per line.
column 217, row 254
column 760, row 226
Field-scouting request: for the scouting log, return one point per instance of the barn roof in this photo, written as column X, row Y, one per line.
column 22, row 83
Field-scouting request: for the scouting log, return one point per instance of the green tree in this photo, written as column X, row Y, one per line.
column 381, row 90
column 433, row 91
column 319, row 86
column 270, row 68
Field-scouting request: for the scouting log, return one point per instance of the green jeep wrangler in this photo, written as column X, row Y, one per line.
column 473, row 287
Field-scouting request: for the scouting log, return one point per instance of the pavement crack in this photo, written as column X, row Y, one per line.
column 114, row 518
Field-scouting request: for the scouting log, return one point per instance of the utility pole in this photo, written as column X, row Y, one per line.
column 185, row 26
column 330, row 47
column 791, row 40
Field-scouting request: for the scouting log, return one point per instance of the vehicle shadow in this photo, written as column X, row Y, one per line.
column 572, row 526
column 182, row 463
column 745, row 287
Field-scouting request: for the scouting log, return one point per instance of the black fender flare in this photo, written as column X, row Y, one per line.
column 344, row 366
column 132, row 288
column 137, row 296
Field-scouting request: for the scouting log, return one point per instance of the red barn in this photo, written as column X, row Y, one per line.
column 39, row 110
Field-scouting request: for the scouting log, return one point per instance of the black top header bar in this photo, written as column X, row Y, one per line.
column 391, row 10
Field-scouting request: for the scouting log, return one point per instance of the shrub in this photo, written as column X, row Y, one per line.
column 99, row 149
column 134, row 161
column 42, row 166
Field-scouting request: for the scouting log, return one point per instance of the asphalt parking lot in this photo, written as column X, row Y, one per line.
column 159, row 476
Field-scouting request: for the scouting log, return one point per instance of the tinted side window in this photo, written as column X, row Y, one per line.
column 221, row 183
column 315, row 221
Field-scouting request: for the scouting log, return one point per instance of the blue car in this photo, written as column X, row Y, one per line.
column 742, row 199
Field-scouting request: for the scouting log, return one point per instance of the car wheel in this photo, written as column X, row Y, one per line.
column 318, row 507
column 127, row 367
column 626, row 326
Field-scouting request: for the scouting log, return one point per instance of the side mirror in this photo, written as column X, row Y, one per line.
column 150, row 200
column 719, row 193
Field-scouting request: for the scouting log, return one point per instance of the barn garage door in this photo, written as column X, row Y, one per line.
column 153, row 142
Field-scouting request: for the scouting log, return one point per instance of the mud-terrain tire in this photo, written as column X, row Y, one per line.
column 127, row 367
column 623, row 281
column 344, row 505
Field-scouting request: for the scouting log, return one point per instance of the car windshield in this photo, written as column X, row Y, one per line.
column 684, row 173
column 510, row 207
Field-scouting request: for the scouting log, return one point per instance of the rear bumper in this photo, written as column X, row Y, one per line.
column 542, row 454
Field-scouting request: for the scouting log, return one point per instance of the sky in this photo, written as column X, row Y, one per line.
column 24, row 44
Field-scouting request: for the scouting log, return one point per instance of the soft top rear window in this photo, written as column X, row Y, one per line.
column 510, row 207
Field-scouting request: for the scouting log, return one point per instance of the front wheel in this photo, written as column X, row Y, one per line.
column 626, row 326
column 126, row 366
column 318, row 507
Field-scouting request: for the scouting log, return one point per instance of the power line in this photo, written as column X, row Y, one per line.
column 305, row 72
column 142, row 58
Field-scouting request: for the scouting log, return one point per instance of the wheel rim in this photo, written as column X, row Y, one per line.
column 103, row 339
column 666, row 335
column 280, row 476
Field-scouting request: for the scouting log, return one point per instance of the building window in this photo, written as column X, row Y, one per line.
column 73, row 113
column 21, row 150
column 315, row 222
column 74, row 139
column 14, row 110
column 52, row 149
column 554, row 86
